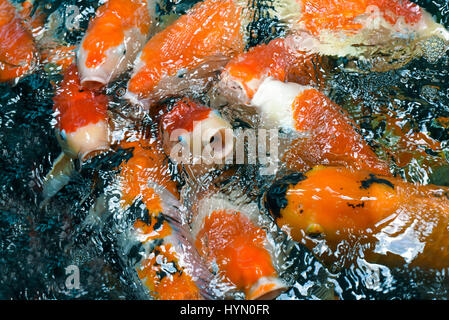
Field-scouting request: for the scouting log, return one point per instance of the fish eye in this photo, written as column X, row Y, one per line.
column 315, row 231
column 63, row 135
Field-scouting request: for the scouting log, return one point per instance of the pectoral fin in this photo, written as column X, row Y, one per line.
column 58, row 176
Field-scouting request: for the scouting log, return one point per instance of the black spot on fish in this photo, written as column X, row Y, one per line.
column 134, row 254
column 366, row 184
column 160, row 220
column 359, row 205
column 315, row 235
column 146, row 217
column 154, row 244
column 161, row 274
column 275, row 197
column 431, row 152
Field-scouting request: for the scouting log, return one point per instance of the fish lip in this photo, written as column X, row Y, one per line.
column 85, row 156
column 227, row 147
column 93, row 82
column 279, row 286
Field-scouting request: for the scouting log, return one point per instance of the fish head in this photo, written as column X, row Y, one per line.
column 196, row 130
column 82, row 120
column 229, row 235
column 333, row 204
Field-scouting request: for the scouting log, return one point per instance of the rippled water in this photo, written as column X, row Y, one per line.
column 38, row 243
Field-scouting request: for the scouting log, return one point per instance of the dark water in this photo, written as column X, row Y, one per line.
column 38, row 244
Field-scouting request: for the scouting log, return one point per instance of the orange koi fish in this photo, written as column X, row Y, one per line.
column 388, row 32
column 61, row 57
column 228, row 236
column 186, row 54
column 33, row 21
column 113, row 39
column 408, row 147
column 330, row 134
column 18, row 53
column 159, row 267
column 191, row 128
column 82, row 128
column 244, row 74
column 82, row 117
column 360, row 214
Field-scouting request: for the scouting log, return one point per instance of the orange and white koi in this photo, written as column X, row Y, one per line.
column 82, row 128
column 382, row 219
column 230, row 237
column 365, row 28
column 330, row 134
column 244, row 74
column 191, row 128
column 161, row 265
column 18, row 53
column 82, row 117
column 113, row 39
column 186, row 55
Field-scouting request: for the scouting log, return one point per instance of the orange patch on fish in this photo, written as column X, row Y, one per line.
column 335, row 199
column 63, row 56
column 17, row 49
column 211, row 28
column 174, row 286
column 273, row 60
column 344, row 206
column 332, row 135
column 148, row 163
column 237, row 246
column 342, row 14
column 107, row 30
column 76, row 105
column 183, row 115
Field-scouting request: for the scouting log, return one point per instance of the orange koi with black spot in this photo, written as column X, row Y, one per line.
column 162, row 266
column 359, row 214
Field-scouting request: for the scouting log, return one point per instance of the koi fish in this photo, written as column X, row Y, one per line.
column 330, row 134
column 186, row 55
column 18, row 53
column 355, row 214
column 244, row 74
column 408, row 147
column 228, row 236
column 33, row 17
column 389, row 33
column 195, row 129
column 82, row 128
column 61, row 57
column 113, row 39
column 159, row 263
